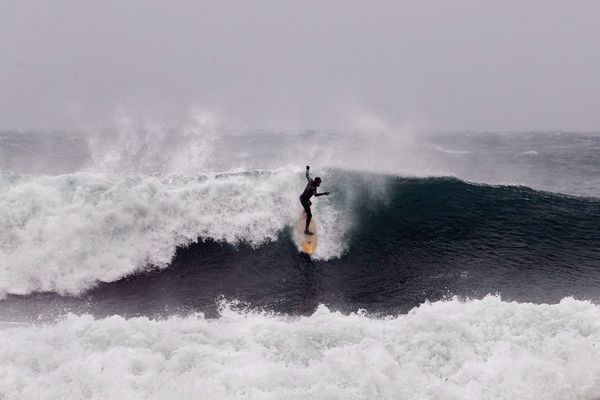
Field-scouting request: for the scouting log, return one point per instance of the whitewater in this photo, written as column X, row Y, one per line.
column 116, row 225
column 450, row 349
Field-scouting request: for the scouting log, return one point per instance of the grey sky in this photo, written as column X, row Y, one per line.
column 483, row 65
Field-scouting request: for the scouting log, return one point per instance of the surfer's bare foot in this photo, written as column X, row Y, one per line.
column 307, row 232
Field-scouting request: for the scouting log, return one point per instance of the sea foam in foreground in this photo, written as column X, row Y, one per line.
column 478, row 349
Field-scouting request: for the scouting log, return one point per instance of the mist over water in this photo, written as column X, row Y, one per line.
column 560, row 162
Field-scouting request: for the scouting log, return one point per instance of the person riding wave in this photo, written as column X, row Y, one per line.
column 309, row 191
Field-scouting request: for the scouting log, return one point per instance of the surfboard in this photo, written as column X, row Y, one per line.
column 306, row 243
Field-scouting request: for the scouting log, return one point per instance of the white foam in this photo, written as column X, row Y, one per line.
column 65, row 233
column 528, row 153
column 446, row 350
column 451, row 151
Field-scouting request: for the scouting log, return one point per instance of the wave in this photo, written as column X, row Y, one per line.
column 66, row 233
column 476, row 349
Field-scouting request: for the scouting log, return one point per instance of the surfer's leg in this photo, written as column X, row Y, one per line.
column 308, row 216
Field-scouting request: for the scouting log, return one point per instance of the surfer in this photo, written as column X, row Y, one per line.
column 309, row 191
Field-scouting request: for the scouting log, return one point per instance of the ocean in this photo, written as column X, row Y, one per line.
column 153, row 263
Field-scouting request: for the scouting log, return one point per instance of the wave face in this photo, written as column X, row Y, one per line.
column 453, row 350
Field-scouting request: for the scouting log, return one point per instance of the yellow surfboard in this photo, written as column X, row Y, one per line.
column 306, row 243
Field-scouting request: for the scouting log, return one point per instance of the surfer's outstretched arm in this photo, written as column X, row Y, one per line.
column 308, row 176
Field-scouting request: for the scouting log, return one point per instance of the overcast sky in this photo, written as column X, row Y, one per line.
column 480, row 65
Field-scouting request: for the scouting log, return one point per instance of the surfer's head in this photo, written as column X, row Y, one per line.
column 317, row 181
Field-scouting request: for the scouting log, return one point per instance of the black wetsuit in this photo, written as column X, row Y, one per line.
column 309, row 191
